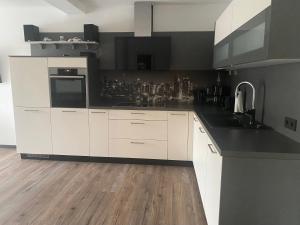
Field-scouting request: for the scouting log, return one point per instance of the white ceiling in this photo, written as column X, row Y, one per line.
column 100, row 3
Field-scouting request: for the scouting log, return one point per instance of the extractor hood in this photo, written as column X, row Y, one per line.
column 143, row 19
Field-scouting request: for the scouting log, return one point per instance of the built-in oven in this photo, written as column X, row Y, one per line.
column 68, row 87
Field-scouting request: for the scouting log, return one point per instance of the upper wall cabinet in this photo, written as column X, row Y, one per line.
column 30, row 82
column 263, row 32
column 223, row 26
column 245, row 10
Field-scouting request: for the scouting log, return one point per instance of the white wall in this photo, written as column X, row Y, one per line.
column 111, row 18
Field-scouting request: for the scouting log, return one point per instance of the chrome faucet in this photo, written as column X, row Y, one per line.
column 250, row 113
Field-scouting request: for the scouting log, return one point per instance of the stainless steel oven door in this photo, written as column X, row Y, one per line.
column 68, row 91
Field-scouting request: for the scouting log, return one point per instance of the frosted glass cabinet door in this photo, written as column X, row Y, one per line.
column 221, row 54
column 250, row 42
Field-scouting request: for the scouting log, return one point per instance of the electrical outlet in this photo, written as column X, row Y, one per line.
column 290, row 123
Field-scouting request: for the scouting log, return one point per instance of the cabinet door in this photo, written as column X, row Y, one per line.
column 204, row 139
column 245, row 10
column 222, row 54
column 30, row 82
column 178, row 128
column 223, row 26
column 70, row 131
column 196, row 149
column 213, row 185
column 33, row 130
column 250, row 41
column 98, row 124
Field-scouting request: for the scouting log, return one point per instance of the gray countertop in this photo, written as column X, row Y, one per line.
column 250, row 143
column 231, row 141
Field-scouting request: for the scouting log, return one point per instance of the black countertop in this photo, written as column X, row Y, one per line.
column 233, row 141
column 250, row 143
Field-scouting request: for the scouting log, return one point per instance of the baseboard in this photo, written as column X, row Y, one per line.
column 8, row 146
column 107, row 160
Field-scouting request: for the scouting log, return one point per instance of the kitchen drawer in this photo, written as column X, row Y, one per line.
column 66, row 62
column 143, row 149
column 137, row 115
column 138, row 129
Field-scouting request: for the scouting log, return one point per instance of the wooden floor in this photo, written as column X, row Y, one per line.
column 72, row 193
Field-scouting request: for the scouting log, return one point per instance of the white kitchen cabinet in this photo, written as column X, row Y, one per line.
column 208, row 168
column 244, row 10
column 70, row 131
column 138, row 129
column 200, row 152
column 33, row 130
column 191, row 136
column 30, row 82
column 143, row 149
column 223, row 27
column 213, row 185
column 98, row 124
column 237, row 14
column 178, row 130
column 67, row 62
column 196, row 151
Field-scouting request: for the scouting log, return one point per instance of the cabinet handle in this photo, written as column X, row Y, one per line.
column 31, row 110
column 177, row 114
column 211, row 147
column 137, row 123
column 202, row 130
column 137, row 143
column 137, row 113
column 69, row 111
column 98, row 112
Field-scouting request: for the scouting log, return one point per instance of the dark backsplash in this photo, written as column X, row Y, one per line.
column 149, row 88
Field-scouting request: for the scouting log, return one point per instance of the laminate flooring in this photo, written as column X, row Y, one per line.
column 41, row 192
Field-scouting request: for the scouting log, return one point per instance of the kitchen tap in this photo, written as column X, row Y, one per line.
column 238, row 101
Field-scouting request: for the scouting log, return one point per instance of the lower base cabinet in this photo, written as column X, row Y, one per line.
column 208, row 168
column 33, row 130
column 70, row 131
column 98, row 124
column 213, row 185
column 143, row 149
column 178, row 132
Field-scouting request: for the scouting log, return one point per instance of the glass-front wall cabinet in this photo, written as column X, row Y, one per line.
column 247, row 44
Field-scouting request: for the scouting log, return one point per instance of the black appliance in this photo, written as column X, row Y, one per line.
column 31, row 33
column 68, row 87
column 143, row 53
column 91, row 32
